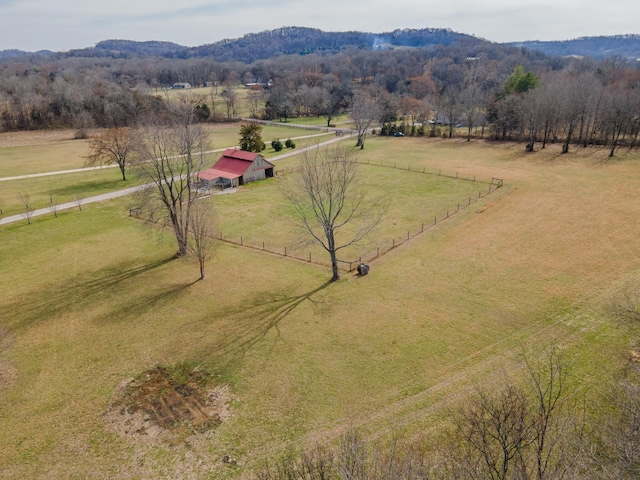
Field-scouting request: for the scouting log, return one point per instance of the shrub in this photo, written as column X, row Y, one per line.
column 289, row 144
column 276, row 144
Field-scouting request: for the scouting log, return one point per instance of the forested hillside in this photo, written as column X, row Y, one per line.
column 417, row 82
column 627, row 46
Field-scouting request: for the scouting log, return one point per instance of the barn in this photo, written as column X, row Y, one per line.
column 236, row 167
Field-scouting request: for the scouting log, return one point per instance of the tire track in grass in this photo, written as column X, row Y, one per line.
column 387, row 417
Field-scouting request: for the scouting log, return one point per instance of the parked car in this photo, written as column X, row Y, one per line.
column 398, row 134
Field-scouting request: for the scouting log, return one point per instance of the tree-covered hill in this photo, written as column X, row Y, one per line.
column 302, row 41
column 627, row 46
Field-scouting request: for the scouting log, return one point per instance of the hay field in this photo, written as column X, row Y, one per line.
column 91, row 299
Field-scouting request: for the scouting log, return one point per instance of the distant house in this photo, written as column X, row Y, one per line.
column 181, row 85
column 236, row 167
column 254, row 86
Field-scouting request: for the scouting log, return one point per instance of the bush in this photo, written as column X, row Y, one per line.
column 289, row 144
column 276, row 144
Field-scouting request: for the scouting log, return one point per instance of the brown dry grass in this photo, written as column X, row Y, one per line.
column 92, row 300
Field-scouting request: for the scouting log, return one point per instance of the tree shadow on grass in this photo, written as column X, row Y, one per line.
column 83, row 292
column 245, row 328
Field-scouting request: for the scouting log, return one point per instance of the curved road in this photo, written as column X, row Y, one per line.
column 128, row 191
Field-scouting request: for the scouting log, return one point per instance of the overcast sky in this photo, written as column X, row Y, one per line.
column 67, row 24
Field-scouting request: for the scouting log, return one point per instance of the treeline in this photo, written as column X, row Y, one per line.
column 488, row 90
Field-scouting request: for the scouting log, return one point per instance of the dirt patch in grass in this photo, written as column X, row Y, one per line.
column 8, row 374
column 180, row 399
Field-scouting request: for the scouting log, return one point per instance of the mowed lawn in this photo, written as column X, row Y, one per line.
column 92, row 299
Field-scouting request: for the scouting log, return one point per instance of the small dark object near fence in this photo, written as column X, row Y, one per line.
column 363, row 268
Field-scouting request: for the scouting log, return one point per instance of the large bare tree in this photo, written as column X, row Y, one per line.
column 330, row 201
column 365, row 111
column 170, row 155
column 115, row 145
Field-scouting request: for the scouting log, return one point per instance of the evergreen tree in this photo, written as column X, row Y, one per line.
column 251, row 137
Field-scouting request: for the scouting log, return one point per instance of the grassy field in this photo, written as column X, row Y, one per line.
column 91, row 299
column 25, row 153
column 258, row 214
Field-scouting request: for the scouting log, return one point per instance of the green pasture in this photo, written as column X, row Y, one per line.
column 258, row 214
column 60, row 188
column 93, row 298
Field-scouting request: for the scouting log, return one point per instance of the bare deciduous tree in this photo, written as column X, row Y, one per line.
column 202, row 231
column 330, row 203
column 116, row 145
column 495, row 429
column 77, row 199
column 25, row 198
column 364, row 112
column 520, row 432
column 169, row 156
column 53, row 206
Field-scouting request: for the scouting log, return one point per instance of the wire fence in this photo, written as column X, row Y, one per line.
column 488, row 187
column 318, row 128
column 415, row 169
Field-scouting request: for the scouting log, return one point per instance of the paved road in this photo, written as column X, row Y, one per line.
column 68, row 205
column 87, row 169
column 129, row 191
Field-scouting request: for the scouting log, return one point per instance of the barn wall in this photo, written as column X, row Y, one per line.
column 257, row 170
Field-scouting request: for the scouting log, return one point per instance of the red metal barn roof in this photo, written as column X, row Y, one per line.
column 239, row 154
column 232, row 164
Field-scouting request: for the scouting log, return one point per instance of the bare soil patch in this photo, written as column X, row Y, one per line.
column 180, row 399
column 8, row 374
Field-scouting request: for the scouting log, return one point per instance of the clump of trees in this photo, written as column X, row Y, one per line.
column 276, row 145
column 510, row 93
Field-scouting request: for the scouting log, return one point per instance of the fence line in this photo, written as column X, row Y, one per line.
column 293, row 125
column 423, row 170
column 380, row 250
column 350, row 265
